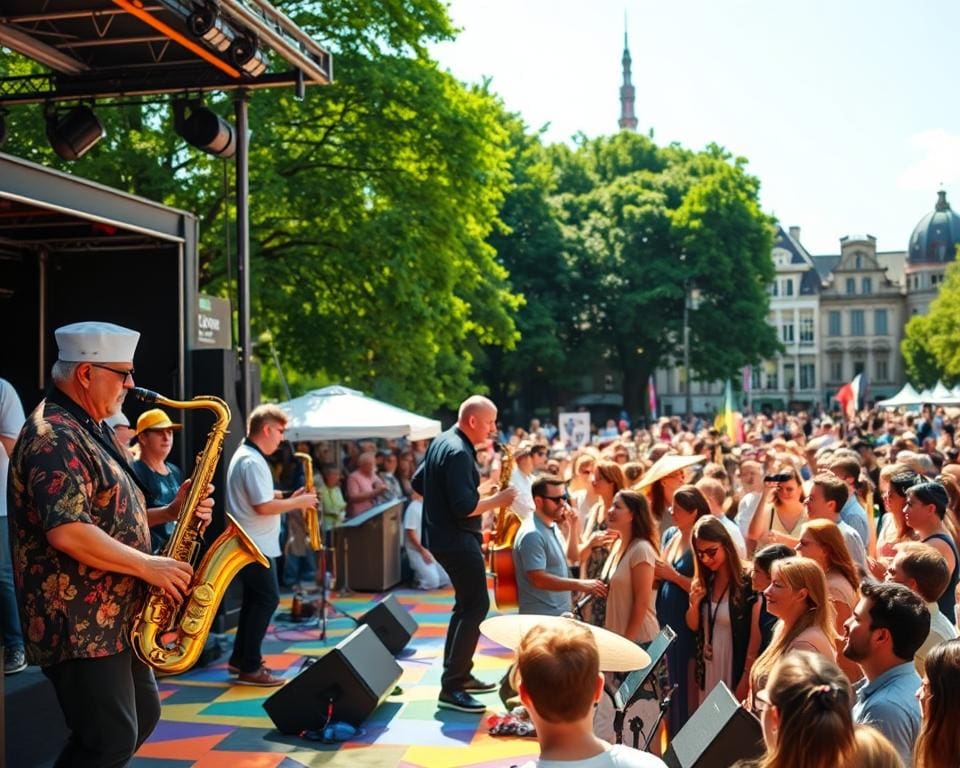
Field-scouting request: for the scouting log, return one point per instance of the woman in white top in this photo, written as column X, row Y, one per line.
column 631, row 603
column 779, row 521
column 798, row 597
column 631, row 600
column 822, row 542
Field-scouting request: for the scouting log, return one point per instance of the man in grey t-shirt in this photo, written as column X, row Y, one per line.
column 539, row 555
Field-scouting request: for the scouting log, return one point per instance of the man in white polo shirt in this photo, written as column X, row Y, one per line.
column 252, row 500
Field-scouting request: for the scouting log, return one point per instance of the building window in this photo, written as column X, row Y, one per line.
column 789, row 376
column 774, row 288
column 856, row 322
column 755, row 380
column 851, row 286
column 836, row 369
column 867, row 285
column 858, row 367
column 808, row 373
column 859, row 261
column 772, row 379
column 806, row 330
column 787, row 333
column 833, row 328
column 882, row 372
column 788, row 287
column 880, row 322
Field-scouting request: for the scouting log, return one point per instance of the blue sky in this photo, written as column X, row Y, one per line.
column 848, row 111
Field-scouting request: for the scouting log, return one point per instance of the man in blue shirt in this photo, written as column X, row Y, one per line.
column 886, row 629
column 847, row 468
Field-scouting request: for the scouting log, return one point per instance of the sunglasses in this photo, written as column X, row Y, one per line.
column 708, row 554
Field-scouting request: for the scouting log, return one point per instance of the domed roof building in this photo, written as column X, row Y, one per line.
column 933, row 245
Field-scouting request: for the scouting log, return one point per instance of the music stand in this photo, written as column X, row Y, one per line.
column 628, row 693
column 325, row 603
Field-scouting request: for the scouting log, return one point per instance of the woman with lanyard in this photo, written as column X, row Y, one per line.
column 674, row 572
column 723, row 612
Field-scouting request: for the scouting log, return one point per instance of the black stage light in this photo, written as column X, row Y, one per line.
column 75, row 133
column 245, row 54
column 205, row 130
column 206, row 23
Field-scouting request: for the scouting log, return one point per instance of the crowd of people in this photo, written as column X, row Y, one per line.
column 811, row 568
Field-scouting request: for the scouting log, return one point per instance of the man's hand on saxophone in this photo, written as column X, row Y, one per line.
column 172, row 576
column 171, row 512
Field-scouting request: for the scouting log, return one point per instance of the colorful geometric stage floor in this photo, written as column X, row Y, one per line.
column 209, row 722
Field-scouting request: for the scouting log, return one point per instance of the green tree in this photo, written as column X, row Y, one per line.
column 644, row 227
column 931, row 342
column 371, row 205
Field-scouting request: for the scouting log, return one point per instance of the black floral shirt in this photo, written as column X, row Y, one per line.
column 61, row 472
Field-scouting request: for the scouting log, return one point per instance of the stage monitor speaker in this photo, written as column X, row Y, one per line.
column 392, row 623
column 355, row 676
column 718, row 734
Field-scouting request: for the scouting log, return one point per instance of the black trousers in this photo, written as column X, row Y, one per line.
column 261, row 596
column 468, row 574
column 110, row 704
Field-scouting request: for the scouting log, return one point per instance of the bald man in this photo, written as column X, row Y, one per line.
column 448, row 480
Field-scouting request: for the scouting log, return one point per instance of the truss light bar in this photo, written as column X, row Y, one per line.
column 160, row 26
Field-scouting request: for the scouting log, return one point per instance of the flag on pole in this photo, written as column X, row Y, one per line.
column 729, row 421
column 652, row 397
column 850, row 396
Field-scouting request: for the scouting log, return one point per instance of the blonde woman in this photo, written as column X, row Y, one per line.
column 822, row 542
column 797, row 596
column 805, row 713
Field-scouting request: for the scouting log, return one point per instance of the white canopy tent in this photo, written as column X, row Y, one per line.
column 906, row 396
column 339, row 413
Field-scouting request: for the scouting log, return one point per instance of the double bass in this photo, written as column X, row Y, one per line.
column 500, row 551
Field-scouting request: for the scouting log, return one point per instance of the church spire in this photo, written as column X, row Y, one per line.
column 628, row 120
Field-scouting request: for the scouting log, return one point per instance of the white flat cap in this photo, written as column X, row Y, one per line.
column 96, row 342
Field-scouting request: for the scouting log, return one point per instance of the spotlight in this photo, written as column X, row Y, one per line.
column 74, row 134
column 206, row 24
column 205, row 130
column 245, row 54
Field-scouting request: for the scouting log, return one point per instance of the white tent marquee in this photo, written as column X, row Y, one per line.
column 906, row 396
column 339, row 413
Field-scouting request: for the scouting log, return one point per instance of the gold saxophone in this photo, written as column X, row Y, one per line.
column 311, row 517
column 167, row 636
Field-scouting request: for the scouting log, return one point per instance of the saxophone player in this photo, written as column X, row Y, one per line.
column 81, row 548
column 448, row 480
column 252, row 500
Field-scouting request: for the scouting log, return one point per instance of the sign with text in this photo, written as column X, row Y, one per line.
column 214, row 323
column 574, row 429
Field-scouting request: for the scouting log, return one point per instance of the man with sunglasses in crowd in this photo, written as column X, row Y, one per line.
column 544, row 587
column 539, row 555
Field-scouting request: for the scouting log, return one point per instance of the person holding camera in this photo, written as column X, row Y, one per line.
column 780, row 521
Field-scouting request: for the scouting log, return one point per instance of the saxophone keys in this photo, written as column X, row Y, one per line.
column 204, row 594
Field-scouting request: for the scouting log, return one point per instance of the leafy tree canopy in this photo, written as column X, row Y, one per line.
column 931, row 342
column 371, row 205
